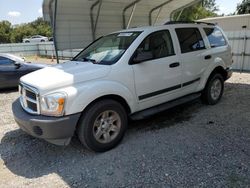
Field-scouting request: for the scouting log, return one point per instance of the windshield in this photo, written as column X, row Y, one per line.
column 108, row 49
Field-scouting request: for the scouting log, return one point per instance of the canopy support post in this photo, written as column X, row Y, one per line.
column 54, row 31
column 178, row 17
column 156, row 8
column 131, row 16
column 158, row 15
column 133, row 4
column 95, row 22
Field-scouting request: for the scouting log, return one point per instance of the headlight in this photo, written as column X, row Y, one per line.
column 53, row 104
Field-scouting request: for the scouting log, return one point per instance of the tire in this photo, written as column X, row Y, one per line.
column 42, row 40
column 96, row 124
column 213, row 91
column 27, row 41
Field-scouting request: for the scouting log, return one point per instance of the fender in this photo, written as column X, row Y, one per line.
column 87, row 93
column 218, row 62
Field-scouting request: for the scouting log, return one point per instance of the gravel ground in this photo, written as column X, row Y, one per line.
column 42, row 60
column 192, row 145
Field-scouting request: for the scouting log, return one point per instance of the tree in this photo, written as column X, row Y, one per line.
column 198, row 11
column 9, row 33
column 21, row 32
column 244, row 7
column 42, row 27
column 5, row 30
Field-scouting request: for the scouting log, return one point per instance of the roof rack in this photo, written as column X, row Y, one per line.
column 188, row 22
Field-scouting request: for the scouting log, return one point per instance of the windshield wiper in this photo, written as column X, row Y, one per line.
column 90, row 60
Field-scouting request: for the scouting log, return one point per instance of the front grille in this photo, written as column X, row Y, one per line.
column 30, row 95
column 32, row 106
column 29, row 99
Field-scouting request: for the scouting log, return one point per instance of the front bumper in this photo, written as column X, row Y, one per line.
column 57, row 130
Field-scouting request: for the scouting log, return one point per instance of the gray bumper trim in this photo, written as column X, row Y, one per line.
column 49, row 128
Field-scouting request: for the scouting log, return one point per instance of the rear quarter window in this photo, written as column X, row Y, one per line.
column 215, row 37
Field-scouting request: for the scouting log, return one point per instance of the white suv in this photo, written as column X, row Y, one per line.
column 132, row 73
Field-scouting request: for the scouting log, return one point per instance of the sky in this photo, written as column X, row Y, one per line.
column 20, row 11
column 23, row 11
column 226, row 6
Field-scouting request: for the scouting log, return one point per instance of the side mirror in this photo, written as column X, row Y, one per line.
column 17, row 64
column 141, row 57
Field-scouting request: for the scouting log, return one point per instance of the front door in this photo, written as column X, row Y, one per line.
column 9, row 73
column 158, row 77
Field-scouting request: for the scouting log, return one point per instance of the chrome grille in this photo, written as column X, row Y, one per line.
column 29, row 99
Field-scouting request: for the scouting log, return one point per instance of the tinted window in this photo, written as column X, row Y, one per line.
column 158, row 44
column 190, row 39
column 215, row 37
column 5, row 61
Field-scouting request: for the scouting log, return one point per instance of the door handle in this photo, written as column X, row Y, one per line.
column 173, row 65
column 208, row 57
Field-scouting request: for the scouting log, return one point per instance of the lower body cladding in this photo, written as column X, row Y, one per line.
column 56, row 130
column 229, row 73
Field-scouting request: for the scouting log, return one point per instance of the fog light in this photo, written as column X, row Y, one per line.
column 37, row 130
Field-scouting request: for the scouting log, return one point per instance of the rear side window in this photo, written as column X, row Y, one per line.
column 190, row 39
column 215, row 37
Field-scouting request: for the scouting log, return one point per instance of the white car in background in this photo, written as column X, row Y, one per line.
column 36, row 38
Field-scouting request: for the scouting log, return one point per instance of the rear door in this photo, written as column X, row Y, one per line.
column 157, row 79
column 194, row 63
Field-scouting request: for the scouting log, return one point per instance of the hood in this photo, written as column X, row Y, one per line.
column 65, row 74
column 35, row 65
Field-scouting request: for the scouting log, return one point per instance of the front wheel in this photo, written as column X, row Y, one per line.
column 102, row 126
column 214, row 90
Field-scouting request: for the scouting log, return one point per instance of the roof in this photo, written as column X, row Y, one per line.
column 76, row 23
column 12, row 57
column 165, row 26
column 226, row 17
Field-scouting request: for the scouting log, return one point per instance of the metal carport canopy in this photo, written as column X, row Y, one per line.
column 76, row 23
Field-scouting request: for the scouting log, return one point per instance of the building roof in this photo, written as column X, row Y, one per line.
column 227, row 17
column 76, row 23
column 231, row 23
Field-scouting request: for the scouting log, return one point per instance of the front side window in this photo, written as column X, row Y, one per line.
column 215, row 37
column 158, row 45
column 190, row 39
column 5, row 61
column 108, row 49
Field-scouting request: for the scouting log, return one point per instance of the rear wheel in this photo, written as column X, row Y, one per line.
column 214, row 89
column 102, row 126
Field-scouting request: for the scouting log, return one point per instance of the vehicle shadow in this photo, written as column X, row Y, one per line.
column 32, row 158
column 9, row 90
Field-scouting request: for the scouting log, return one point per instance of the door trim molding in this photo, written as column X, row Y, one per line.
column 166, row 90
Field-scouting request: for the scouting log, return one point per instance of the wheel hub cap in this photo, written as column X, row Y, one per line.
column 216, row 89
column 107, row 126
